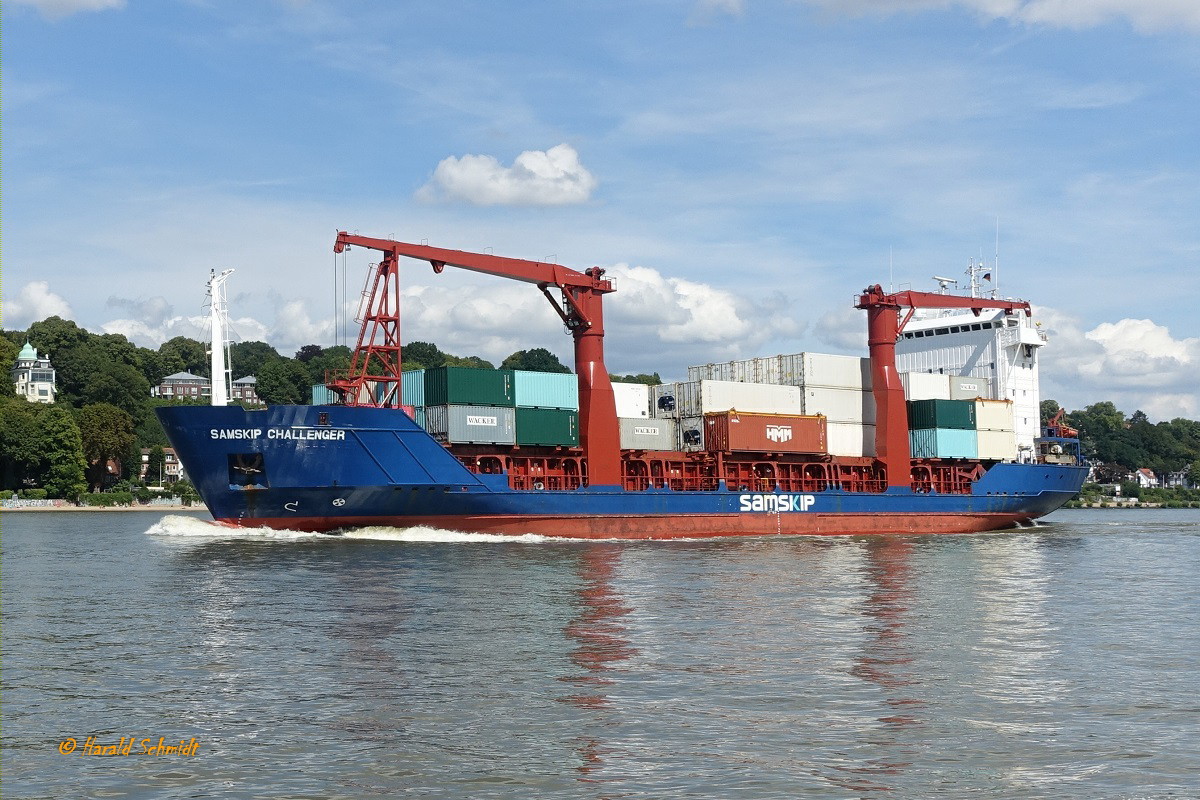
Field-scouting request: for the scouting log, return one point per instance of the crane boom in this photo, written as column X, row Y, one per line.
column 883, row 329
column 581, row 310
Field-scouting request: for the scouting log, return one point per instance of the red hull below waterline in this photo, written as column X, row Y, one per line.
column 698, row 526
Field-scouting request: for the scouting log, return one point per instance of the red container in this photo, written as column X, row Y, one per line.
column 733, row 432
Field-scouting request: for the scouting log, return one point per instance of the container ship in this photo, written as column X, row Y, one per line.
column 936, row 431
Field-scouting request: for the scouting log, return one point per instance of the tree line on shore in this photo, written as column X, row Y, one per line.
column 104, row 414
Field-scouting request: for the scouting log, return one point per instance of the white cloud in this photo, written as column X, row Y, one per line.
column 58, row 9
column 845, row 329
column 1144, row 15
column 554, row 177
column 35, row 302
column 1135, row 363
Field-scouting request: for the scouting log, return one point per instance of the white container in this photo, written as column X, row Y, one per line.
column 994, row 415
column 664, row 401
column 825, row 369
column 696, row 398
column 840, row 405
column 639, row 433
column 997, row 445
column 691, row 434
column 967, row 388
column 925, row 385
column 633, row 399
column 849, row 439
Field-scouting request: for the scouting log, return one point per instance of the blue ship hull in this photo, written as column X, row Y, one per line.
column 325, row 468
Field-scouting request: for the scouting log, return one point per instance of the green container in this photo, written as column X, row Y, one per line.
column 465, row 386
column 954, row 414
column 547, row 426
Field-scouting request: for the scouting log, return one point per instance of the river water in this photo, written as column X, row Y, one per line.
column 1060, row 661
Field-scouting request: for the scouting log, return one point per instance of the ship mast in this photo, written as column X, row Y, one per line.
column 219, row 326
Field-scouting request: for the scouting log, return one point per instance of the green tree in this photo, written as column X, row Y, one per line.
column 20, row 444
column 332, row 361
column 117, row 384
column 538, row 359
column 182, row 354
column 649, row 380
column 284, row 382
column 107, row 433
column 8, row 359
column 1048, row 409
column 308, row 353
column 156, row 463
column 423, row 353
column 1193, row 473
column 63, row 462
column 472, row 362
column 248, row 358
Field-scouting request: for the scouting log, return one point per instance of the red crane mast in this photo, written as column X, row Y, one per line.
column 581, row 311
column 883, row 329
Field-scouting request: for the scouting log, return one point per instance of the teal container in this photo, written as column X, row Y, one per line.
column 929, row 414
column 322, row 395
column 412, row 387
column 943, row 443
column 547, row 426
column 546, row 389
column 465, row 386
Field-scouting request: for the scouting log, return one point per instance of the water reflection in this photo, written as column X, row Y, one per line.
column 598, row 633
column 886, row 660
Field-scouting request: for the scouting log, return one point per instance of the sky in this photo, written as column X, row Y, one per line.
column 742, row 169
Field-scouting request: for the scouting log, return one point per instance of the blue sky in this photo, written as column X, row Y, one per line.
column 743, row 168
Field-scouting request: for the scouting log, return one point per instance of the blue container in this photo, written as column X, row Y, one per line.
column 412, row 387
column 322, row 395
column 943, row 443
column 547, row 389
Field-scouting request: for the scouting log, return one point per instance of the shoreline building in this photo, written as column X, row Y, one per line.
column 33, row 376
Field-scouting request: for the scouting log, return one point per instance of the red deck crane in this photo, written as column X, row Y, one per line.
column 883, row 329
column 581, row 311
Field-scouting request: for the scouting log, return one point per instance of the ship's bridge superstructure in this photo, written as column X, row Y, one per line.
column 1003, row 349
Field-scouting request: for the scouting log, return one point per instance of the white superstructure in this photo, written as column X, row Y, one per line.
column 1003, row 349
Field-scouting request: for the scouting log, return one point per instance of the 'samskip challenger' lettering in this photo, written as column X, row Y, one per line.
column 324, row 434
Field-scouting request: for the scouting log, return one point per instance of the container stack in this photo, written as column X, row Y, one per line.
column 547, row 408
column 942, row 429
column 997, row 438
column 470, row 406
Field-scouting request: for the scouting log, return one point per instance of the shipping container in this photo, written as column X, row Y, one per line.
column 640, row 433
column 322, row 395
column 840, row 405
column 547, row 426
column 545, row 390
column 691, row 434
column 412, row 387
column 696, row 398
column 798, row 369
column 824, row 369
column 929, row 414
column 633, row 400
column 472, row 424
column 994, row 415
column 737, row 431
column 968, row 388
column 467, row 386
column 850, row 439
column 997, row 445
column 925, row 385
column 943, row 443
column 662, row 400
